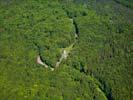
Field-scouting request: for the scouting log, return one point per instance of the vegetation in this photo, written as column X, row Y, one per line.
column 127, row 3
column 99, row 63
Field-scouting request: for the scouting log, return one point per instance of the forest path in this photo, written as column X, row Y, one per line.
column 64, row 54
column 66, row 51
column 39, row 61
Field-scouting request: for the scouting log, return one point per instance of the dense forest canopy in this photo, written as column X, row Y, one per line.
column 86, row 43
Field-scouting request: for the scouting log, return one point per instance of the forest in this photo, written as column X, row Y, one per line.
column 66, row 50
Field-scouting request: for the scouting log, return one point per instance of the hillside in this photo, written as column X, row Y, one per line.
column 66, row 49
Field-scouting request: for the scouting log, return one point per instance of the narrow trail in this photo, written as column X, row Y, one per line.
column 64, row 54
column 39, row 61
column 66, row 51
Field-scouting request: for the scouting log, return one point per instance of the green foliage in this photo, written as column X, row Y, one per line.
column 99, row 64
column 127, row 3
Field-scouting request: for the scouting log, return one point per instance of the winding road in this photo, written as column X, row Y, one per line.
column 64, row 54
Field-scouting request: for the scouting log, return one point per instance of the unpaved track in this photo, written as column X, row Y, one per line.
column 39, row 61
column 64, row 54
